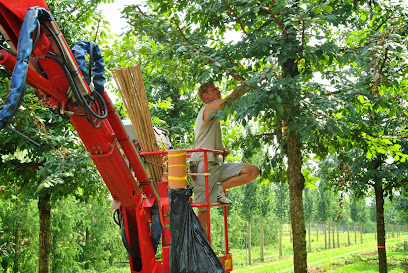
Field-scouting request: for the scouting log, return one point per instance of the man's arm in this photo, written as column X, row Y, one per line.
column 219, row 104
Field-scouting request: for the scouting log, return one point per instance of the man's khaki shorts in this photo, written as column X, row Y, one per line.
column 219, row 172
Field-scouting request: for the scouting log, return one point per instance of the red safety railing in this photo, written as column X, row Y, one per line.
column 208, row 205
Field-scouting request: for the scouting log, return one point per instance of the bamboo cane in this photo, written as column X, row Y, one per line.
column 131, row 87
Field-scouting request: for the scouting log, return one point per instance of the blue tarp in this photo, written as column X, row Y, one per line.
column 98, row 65
column 24, row 49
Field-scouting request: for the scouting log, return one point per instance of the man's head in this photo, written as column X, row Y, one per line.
column 208, row 92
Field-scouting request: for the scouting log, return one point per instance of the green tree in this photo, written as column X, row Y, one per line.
column 310, row 203
column 60, row 162
column 281, row 208
column 278, row 48
column 373, row 216
column 379, row 38
column 287, row 63
column 249, row 207
column 323, row 215
column 19, row 232
column 401, row 203
column 265, row 197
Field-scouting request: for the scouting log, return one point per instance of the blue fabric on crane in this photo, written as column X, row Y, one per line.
column 156, row 227
column 98, row 66
column 24, row 50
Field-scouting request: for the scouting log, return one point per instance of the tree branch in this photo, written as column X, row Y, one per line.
column 379, row 137
column 303, row 31
column 385, row 59
column 377, row 28
column 83, row 12
column 97, row 30
column 275, row 19
column 271, row 6
column 236, row 16
column 233, row 73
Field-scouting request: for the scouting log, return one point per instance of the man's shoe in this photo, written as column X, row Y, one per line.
column 221, row 196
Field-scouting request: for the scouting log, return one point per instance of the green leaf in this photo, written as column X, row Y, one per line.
column 317, row 11
column 327, row 8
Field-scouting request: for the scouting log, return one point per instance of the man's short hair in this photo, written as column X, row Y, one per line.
column 203, row 89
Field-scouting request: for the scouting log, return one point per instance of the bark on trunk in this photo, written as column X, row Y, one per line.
column 348, row 233
column 393, row 231
column 249, row 244
column 296, row 186
column 309, row 237
column 355, row 233
column 280, row 236
column 338, row 236
column 379, row 202
column 17, row 239
column 261, row 238
column 329, row 234
column 361, row 232
column 87, row 265
column 44, row 209
column 333, row 234
column 325, row 235
column 317, row 232
column 375, row 231
column 290, row 233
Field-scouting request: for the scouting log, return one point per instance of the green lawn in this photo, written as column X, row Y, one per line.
column 354, row 258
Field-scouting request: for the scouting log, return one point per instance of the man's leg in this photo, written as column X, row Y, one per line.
column 202, row 217
column 248, row 173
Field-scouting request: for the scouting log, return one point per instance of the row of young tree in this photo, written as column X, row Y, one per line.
column 354, row 123
column 269, row 202
column 84, row 235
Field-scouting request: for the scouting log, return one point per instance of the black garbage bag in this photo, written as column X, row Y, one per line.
column 190, row 250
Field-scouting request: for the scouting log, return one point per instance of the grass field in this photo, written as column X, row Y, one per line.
column 354, row 258
column 358, row 257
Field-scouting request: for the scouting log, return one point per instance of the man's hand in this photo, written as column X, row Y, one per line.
column 226, row 152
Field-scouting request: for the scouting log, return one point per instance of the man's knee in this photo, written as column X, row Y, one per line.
column 251, row 171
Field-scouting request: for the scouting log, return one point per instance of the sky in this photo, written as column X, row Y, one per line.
column 112, row 11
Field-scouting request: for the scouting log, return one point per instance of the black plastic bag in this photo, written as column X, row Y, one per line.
column 190, row 250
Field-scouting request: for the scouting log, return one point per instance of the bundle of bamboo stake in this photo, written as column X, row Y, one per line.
column 131, row 87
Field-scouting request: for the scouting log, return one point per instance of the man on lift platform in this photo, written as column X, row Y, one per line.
column 208, row 135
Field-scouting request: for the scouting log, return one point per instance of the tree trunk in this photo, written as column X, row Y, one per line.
column 290, row 233
column 379, row 202
column 333, row 234
column 348, row 233
column 361, row 232
column 329, row 233
column 317, row 231
column 338, row 236
column 325, row 235
column 249, row 243
column 375, row 231
column 310, row 241
column 296, row 186
column 261, row 239
column 280, row 236
column 393, row 230
column 87, row 265
column 44, row 208
column 355, row 233
column 17, row 235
